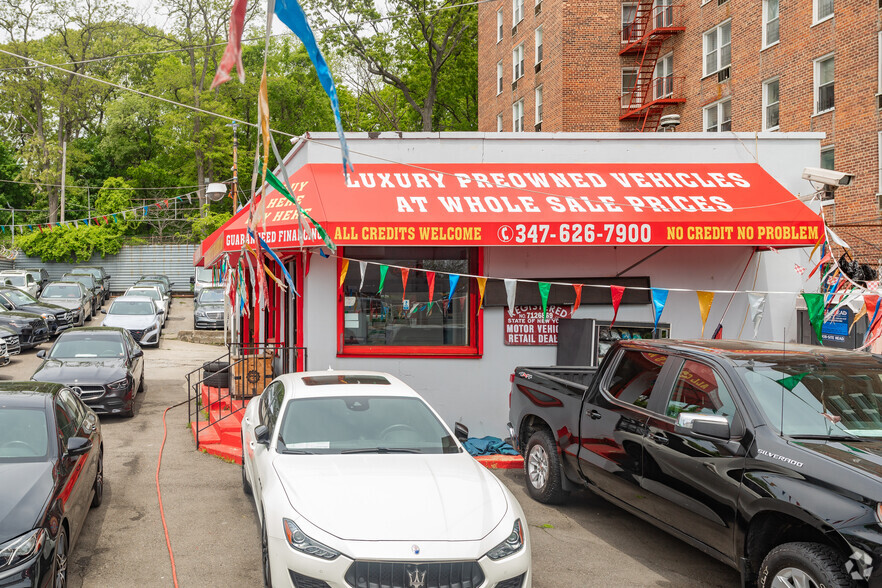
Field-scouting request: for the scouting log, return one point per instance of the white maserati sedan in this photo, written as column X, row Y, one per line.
column 358, row 483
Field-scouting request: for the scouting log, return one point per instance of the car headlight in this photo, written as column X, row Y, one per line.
column 48, row 318
column 511, row 545
column 301, row 542
column 201, row 312
column 21, row 548
column 118, row 385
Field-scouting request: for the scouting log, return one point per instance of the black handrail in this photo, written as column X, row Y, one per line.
column 249, row 369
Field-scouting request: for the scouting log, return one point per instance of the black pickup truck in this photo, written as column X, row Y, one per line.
column 768, row 458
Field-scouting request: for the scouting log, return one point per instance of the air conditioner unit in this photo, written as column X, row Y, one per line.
column 723, row 75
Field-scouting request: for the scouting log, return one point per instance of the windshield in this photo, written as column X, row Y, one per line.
column 132, row 307
column 204, row 274
column 13, row 280
column 82, row 345
column 208, row 296
column 19, row 297
column 817, row 399
column 84, row 279
column 24, row 435
column 349, row 424
column 60, row 291
column 94, row 271
column 148, row 292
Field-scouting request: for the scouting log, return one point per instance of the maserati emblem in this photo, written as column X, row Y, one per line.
column 415, row 579
column 415, row 548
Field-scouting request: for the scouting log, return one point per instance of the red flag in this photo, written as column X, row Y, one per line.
column 106, row 222
column 404, row 272
column 166, row 202
column 578, row 289
column 430, row 277
column 306, row 257
column 617, row 292
column 827, row 257
column 233, row 52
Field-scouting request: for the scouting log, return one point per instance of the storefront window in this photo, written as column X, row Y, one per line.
column 399, row 320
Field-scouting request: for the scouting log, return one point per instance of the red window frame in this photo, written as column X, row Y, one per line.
column 474, row 349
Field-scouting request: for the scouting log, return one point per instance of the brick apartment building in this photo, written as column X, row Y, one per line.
column 760, row 65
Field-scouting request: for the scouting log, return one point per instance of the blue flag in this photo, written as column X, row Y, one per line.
column 454, row 278
column 659, row 297
column 290, row 13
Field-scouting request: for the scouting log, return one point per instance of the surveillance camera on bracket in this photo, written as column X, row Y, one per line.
column 829, row 177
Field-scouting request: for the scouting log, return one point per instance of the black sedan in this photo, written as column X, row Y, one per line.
column 103, row 365
column 31, row 328
column 57, row 317
column 51, row 473
column 208, row 309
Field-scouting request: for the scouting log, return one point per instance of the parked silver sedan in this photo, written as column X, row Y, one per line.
column 138, row 315
column 71, row 295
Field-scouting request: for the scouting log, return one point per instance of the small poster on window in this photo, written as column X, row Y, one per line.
column 524, row 325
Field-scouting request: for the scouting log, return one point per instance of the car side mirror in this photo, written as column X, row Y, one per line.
column 138, row 352
column 41, row 353
column 702, row 426
column 160, row 311
column 461, row 431
column 78, row 446
column 262, row 435
column 192, row 280
column 103, row 311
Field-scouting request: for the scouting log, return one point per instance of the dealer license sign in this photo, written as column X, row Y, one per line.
column 525, row 325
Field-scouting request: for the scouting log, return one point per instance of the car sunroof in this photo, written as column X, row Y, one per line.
column 330, row 380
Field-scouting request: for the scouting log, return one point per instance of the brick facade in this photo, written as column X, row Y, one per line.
column 581, row 74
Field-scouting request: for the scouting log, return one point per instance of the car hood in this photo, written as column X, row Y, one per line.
column 69, row 303
column 20, row 314
column 212, row 307
column 446, row 497
column 81, row 371
column 22, row 503
column 132, row 321
column 42, row 307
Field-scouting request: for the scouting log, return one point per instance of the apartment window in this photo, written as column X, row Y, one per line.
column 629, row 83
column 824, row 84
column 770, row 22
column 539, row 45
column 718, row 117
column 718, row 48
column 538, row 106
column 828, row 158
column 499, row 76
column 629, row 13
column 517, row 116
column 663, row 13
column 499, row 123
column 663, row 78
column 770, row 105
column 517, row 63
column 517, row 12
column 499, row 28
column 823, row 10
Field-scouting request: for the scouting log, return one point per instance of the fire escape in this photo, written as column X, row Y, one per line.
column 654, row 22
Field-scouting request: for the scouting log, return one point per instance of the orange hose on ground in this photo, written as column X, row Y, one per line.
column 171, row 555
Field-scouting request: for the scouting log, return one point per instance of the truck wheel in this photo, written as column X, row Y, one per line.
column 543, row 469
column 804, row 564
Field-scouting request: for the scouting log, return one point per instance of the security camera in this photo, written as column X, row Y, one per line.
column 828, row 177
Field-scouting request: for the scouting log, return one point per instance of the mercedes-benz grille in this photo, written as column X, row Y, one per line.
column 13, row 344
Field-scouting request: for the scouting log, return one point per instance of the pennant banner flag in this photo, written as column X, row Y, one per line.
column 578, row 302
column 430, row 278
column 617, row 293
column 275, row 257
column 544, row 289
column 290, row 13
column 482, row 283
column 511, row 288
column 659, row 298
column 705, row 300
column 454, row 278
column 233, row 52
column 273, row 181
column 826, row 258
column 307, row 257
column 383, row 270
column 815, row 304
column 757, row 306
column 798, row 269
column 344, row 268
column 404, row 272
column 362, row 266
column 821, row 239
column 790, row 382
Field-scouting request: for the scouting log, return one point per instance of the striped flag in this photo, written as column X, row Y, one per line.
column 233, row 52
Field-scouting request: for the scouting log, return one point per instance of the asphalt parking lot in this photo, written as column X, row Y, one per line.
column 213, row 528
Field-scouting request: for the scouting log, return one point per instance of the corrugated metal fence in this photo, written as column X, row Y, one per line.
column 175, row 261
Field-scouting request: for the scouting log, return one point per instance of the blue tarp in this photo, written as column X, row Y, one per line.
column 488, row 446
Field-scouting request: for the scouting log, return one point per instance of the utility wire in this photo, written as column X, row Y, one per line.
column 98, row 187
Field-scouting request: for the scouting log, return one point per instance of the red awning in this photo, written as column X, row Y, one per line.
column 535, row 204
